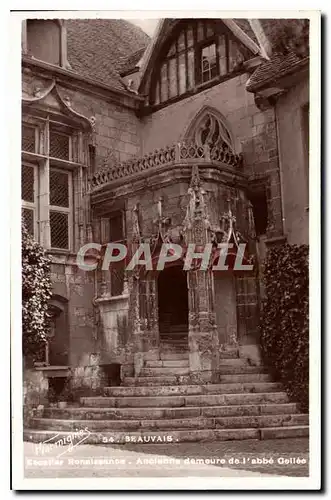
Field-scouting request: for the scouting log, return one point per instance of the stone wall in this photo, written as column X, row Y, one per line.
column 35, row 392
column 294, row 162
column 117, row 129
column 253, row 130
column 116, row 137
column 77, row 287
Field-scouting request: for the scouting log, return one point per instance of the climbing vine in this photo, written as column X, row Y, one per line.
column 36, row 292
column 284, row 324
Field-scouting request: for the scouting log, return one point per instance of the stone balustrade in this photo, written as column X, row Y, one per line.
column 179, row 153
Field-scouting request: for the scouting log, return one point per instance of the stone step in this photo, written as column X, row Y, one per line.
column 86, row 413
column 146, row 437
column 252, row 387
column 175, row 348
column 156, row 372
column 285, row 432
column 177, row 363
column 152, row 381
column 229, row 354
column 236, row 361
column 227, row 369
column 245, row 377
column 257, row 376
column 240, row 368
column 157, row 425
column 179, row 401
column 171, row 356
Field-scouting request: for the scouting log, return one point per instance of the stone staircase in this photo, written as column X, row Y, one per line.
column 162, row 406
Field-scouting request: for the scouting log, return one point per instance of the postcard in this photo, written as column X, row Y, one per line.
column 165, row 269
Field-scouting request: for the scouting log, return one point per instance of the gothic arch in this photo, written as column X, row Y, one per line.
column 210, row 127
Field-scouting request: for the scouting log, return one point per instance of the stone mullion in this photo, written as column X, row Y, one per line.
column 44, row 195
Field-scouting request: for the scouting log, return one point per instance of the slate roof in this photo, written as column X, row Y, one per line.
column 129, row 63
column 289, row 39
column 273, row 69
column 97, row 47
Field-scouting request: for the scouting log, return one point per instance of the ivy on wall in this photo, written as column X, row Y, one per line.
column 36, row 292
column 284, row 324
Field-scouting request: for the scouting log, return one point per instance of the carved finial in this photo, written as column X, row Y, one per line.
column 136, row 233
column 195, row 179
column 92, row 121
column 103, row 289
column 67, row 100
column 130, row 86
column 37, row 92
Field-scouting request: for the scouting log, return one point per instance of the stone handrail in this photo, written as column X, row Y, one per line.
column 177, row 153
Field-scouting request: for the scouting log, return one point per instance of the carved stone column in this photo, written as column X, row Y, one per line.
column 202, row 337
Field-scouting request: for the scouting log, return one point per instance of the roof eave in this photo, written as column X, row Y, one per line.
column 276, row 79
column 28, row 61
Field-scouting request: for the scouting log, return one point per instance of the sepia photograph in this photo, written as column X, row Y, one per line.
column 168, row 179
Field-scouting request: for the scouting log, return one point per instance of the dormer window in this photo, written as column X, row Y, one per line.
column 208, row 62
column 45, row 40
column 198, row 53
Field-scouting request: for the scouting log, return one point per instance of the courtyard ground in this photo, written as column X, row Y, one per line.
column 249, row 458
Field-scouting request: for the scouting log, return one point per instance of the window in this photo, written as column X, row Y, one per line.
column 116, row 232
column 208, row 62
column 50, row 152
column 210, row 130
column 29, row 188
column 60, row 208
column 59, row 145
column 44, row 40
column 29, row 138
column 260, row 211
column 197, row 53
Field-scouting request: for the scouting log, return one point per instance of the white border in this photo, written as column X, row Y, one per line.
column 14, row 90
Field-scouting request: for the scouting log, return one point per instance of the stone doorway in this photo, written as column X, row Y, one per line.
column 173, row 304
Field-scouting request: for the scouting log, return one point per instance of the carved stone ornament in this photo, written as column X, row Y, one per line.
column 37, row 92
column 136, row 232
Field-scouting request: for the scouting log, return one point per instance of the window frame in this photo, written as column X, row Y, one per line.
column 198, row 60
column 70, row 146
column 105, row 231
column 34, row 206
column 68, row 210
column 64, row 63
column 43, row 163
